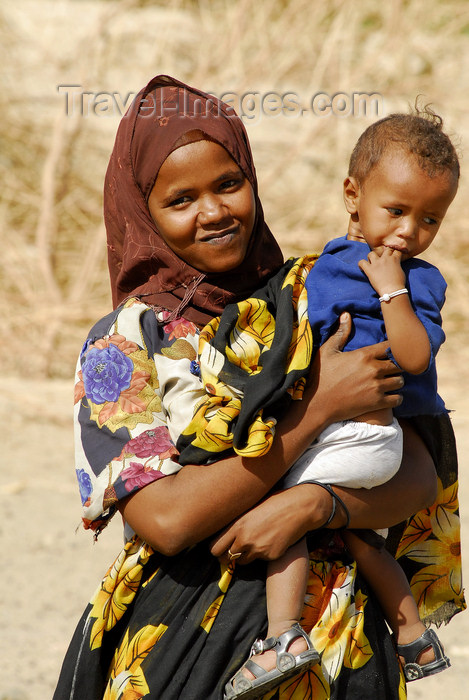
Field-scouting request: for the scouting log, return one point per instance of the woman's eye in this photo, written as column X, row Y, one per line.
column 394, row 211
column 430, row 221
column 179, row 201
column 231, row 183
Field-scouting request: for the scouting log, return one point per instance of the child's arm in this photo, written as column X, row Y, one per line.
column 407, row 336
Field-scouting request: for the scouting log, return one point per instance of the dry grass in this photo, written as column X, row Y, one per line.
column 53, row 263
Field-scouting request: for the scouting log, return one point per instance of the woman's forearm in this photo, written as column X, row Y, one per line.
column 267, row 530
column 410, row 490
column 186, row 507
column 182, row 509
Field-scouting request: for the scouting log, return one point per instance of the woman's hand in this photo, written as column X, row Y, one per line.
column 346, row 385
column 266, row 531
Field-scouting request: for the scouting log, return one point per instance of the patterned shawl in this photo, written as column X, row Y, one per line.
column 253, row 360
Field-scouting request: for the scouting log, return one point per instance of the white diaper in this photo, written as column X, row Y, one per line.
column 351, row 453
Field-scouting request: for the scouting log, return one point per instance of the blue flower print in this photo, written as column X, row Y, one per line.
column 84, row 484
column 195, row 368
column 85, row 347
column 106, row 373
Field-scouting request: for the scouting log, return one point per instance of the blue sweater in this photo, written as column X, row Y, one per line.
column 336, row 284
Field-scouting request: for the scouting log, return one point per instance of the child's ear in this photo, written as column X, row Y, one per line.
column 351, row 194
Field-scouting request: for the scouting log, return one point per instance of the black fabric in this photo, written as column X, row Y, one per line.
column 189, row 664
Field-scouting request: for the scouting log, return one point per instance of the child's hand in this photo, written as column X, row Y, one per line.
column 383, row 269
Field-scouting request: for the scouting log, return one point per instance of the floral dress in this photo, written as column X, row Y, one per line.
column 172, row 628
column 128, row 406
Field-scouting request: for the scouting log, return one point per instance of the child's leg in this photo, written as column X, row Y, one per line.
column 286, row 583
column 392, row 589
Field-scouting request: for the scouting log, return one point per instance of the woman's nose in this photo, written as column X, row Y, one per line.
column 212, row 210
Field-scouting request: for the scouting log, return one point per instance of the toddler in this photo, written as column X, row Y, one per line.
column 403, row 175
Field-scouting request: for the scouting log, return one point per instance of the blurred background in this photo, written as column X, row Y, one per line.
column 52, row 164
column 307, row 76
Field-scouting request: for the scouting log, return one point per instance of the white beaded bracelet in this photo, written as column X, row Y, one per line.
column 388, row 297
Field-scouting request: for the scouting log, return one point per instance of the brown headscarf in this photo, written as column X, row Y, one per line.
column 140, row 262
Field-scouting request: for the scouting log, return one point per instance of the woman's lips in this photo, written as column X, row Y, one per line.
column 219, row 236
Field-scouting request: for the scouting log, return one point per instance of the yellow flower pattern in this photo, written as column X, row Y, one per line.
column 248, row 350
column 305, row 687
column 432, row 539
column 338, row 633
column 210, row 616
column 118, row 589
column 301, row 345
column 127, row 680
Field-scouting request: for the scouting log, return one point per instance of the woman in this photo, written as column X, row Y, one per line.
column 186, row 236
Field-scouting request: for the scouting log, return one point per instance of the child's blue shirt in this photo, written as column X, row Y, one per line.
column 336, row 284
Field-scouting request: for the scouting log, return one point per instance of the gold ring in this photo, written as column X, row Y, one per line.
column 234, row 555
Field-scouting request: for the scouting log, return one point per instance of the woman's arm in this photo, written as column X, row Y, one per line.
column 270, row 528
column 185, row 508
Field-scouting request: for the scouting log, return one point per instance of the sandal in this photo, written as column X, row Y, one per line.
column 413, row 670
column 287, row 665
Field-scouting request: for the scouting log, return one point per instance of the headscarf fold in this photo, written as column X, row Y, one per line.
column 140, row 262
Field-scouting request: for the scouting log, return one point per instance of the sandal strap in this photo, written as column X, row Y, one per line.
column 411, row 651
column 285, row 639
column 281, row 643
column 261, row 645
column 254, row 668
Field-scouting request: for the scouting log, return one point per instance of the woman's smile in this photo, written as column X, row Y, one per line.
column 203, row 207
column 221, row 236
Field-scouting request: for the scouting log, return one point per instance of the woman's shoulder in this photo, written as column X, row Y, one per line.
column 132, row 314
column 144, row 325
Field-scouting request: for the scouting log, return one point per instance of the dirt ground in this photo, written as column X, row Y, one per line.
column 50, row 569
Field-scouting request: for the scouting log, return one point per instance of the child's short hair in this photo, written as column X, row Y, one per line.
column 420, row 133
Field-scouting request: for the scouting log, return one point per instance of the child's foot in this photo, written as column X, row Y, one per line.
column 411, row 634
column 268, row 659
column 279, row 658
column 423, row 656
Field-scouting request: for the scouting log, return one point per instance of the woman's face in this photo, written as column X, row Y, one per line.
column 203, row 207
